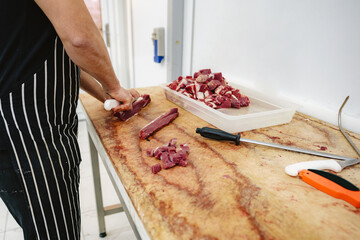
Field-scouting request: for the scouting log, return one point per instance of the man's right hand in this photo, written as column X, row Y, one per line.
column 124, row 97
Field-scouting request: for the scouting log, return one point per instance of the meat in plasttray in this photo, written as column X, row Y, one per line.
column 210, row 88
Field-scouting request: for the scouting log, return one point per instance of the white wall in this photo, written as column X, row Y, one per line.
column 305, row 51
column 147, row 15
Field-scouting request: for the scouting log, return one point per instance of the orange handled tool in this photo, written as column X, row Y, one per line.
column 332, row 184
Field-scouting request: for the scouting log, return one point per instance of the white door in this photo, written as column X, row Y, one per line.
column 116, row 32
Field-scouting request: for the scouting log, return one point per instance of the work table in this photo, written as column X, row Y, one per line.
column 226, row 191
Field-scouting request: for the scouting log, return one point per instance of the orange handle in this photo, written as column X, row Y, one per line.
column 330, row 187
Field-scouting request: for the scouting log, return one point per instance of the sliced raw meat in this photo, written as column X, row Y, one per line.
column 175, row 158
column 218, row 76
column 139, row 104
column 158, row 123
column 173, row 85
column 224, row 104
column 156, row 168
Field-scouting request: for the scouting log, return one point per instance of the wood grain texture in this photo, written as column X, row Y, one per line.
column 227, row 191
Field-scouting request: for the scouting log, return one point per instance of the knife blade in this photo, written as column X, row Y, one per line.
column 332, row 184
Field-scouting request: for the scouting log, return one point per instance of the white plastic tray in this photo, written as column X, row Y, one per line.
column 260, row 113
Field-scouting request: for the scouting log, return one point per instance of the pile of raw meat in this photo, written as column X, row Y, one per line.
column 170, row 155
column 211, row 89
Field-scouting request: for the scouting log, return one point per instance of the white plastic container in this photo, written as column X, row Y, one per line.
column 260, row 113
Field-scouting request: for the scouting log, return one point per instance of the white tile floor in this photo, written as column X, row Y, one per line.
column 117, row 225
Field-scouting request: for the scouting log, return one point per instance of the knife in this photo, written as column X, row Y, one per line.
column 221, row 135
column 332, row 184
column 332, row 165
column 110, row 104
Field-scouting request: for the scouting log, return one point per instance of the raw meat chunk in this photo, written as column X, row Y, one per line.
column 173, row 85
column 182, row 154
column 244, row 101
column 205, row 71
column 139, row 104
column 175, row 158
column 158, row 123
column 201, row 78
column 185, row 148
column 183, row 163
column 165, row 159
column 171, row 149
column 172, row 142
column 149, row 152
column 213, row 84
column 156, row 168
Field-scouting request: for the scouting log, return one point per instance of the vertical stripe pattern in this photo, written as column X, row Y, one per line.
column 41, row 125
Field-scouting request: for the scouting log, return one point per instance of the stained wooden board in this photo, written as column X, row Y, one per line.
column 227, row 191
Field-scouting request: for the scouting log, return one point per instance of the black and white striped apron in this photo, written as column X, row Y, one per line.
column 41, row 126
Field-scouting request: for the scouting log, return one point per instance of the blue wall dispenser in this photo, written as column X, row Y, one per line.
column 158, row 38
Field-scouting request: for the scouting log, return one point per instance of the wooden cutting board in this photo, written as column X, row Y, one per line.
column 227, row 191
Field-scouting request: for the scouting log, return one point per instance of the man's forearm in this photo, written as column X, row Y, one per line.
column 90, row 54
column 91, row 86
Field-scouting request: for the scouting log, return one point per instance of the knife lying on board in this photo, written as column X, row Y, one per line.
column 332, row 184
column 332, row 165
column 222, row 135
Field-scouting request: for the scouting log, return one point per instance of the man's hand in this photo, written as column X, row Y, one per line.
column 124, row 97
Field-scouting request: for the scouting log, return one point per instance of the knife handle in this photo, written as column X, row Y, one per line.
column 218, row 134
column 332, row 184
column 110, row 104
column 295, row 168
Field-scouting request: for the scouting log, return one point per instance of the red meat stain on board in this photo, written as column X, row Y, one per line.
column 322, row 148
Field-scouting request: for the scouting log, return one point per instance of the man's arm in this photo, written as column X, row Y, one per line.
column 91, row 86
column 84, row 44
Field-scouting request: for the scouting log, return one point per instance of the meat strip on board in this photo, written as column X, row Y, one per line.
column 158, row 123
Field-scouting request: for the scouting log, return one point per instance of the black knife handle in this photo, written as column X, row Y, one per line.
column 336, row 179
column 218, row 134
